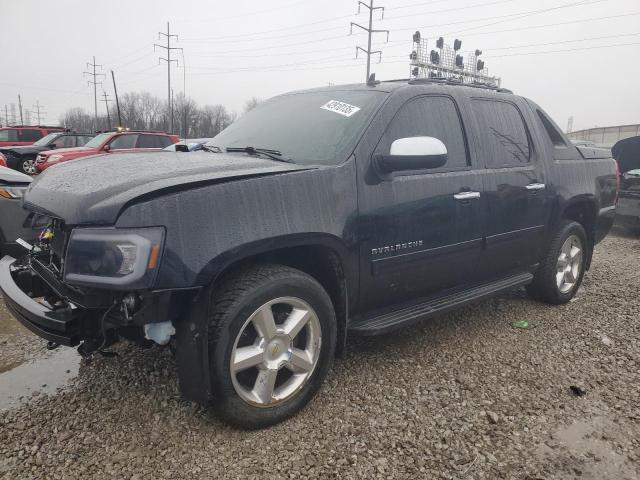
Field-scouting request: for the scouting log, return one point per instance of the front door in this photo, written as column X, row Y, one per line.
column 420, row 231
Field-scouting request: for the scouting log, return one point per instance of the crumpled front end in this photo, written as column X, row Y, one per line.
column 38, row 291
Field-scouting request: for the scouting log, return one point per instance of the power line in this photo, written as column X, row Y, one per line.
column 95, row 84
column 370, row 31
column 37, row 110
column 168, row 49
column 106, row 105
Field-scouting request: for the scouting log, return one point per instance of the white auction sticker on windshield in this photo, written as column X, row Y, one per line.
column 340, row 108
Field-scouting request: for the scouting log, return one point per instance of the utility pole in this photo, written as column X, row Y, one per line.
column 115, row 91
column 38, row 112
column 168, row 48
column 106, row 104
column 20, row 108
column 95, row 84
column 370, row 32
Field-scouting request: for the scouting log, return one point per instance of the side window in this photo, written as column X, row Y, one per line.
column 124, row 141
column 59, row 142
column 504, row 136
column 147, row 141
column 8, row 135
column 82, row 140
column 430, row 116
column 29, row 135
column 552, row 130
column 69, row 141
column 163, row 141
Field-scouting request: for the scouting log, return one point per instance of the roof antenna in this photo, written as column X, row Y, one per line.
column 372, row 82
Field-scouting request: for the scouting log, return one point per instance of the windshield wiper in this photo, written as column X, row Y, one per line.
column 272, row 154
column 211, row 148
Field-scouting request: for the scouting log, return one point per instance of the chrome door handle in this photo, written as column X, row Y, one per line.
column 536, row 186
column 466, row 195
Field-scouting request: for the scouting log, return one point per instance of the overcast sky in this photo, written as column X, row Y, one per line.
column 238, row 49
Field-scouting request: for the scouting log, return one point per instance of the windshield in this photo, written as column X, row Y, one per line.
column 98, row 140
column 44, row 141
column 308, row 128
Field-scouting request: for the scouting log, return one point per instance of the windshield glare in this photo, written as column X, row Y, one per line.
column 98, row 140
column 45, row 140
column 308, row 128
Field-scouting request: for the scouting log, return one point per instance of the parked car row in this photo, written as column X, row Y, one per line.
column 109, row 142
column 23, row 158
column 32, row 150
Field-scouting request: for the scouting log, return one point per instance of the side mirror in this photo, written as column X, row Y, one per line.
column 106, row 148
column 412, row 153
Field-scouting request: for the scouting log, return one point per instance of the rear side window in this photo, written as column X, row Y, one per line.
column 554, row 133
column 148, row 141
column 124, row 141
column 29, row 135
column 163, row 141
column 430, row 116
column 8, row 136
column 505, row 142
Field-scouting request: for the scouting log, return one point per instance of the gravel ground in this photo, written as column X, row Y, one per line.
column 465, row 396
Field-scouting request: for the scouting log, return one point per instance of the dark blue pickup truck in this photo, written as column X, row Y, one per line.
column 354, row 209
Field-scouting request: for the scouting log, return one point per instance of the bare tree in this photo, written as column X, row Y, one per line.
column 252, row 103
column 143, row 111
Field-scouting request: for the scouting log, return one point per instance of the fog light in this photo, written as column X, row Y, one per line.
column 130, row 303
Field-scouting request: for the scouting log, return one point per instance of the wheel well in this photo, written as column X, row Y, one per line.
column 320, row 262
column 585, row 214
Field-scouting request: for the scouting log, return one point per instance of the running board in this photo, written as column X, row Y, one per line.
column 434, row 305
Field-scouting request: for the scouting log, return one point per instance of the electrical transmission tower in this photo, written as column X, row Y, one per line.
column 370, row 31
column 105, row 98
column 168, row 49
column 95, row 84
column 37, row 111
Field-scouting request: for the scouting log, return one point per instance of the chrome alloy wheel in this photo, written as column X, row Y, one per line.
column 29, row 166
column 569, row 265
column 275, row 352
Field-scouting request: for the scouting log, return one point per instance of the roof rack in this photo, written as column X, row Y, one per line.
column 33, row 126
column 445, row 64
column 447, row 81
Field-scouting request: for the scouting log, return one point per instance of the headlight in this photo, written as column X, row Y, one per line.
column 12, row 192
column 54, row 158
column 121, row 258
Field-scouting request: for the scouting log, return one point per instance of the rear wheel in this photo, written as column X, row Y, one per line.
column 561, row 272
column 272, row 341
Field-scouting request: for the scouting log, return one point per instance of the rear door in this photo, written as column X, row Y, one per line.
column 515, row 191
column 421, row 231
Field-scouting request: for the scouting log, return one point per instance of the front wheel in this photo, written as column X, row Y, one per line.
column 272, row 342
column 561, row 271
column 27, row 165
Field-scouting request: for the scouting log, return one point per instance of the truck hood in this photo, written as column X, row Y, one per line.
column 22, row 150
column 96, row 189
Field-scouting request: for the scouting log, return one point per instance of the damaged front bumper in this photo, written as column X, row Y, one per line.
column 67, row 316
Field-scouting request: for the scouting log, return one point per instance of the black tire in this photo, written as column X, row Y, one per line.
column 231, row 306
column 544, row 287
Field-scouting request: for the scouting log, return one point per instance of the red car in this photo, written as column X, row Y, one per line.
column 3, row 160
column 110, row 142
column 23, row 135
